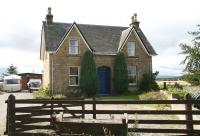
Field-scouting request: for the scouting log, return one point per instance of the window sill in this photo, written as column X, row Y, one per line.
column 74, row 85
column 132, row 84
column 73, row 54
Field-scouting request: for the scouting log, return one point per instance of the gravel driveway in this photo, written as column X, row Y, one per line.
column 3, row 106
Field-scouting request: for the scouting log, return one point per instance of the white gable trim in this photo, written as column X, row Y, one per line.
column 42, row 44
column 133, row 30
column 64, row 38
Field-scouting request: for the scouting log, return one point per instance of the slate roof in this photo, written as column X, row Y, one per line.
column 104, row 39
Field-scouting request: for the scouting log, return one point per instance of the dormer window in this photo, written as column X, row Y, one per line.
column 73, row 46
column 131, row 49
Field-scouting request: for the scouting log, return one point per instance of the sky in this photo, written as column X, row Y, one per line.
column 165, row 23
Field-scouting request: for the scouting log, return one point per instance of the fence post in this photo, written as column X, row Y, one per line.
column 83, row 107
column 6, row 131
column 11, row 115
column 94, row 107
column 52, row 105
column 188, row 107
column 164, row 85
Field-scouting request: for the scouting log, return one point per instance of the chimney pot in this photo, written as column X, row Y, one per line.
column 49, row 17
column 134, row 22
column 49, row 10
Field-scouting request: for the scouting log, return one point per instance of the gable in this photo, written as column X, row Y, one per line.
column 73, row 27
column 140, row 37
column 139, row 48
column 72, row 34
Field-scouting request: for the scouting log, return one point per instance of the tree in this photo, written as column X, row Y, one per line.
column 120, row 74
column 11, row 70
column 88, row 75
column 192, row 59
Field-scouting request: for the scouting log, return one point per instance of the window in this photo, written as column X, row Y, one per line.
column 132, row 75
column 73, row 46
column 131, row 48
column 73, row 76
column 12, row 81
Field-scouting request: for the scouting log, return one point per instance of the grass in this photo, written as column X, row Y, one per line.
column 118, row 97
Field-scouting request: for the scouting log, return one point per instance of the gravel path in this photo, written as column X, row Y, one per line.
column 3, row 106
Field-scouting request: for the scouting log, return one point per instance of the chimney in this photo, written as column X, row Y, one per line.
column 49, row 17
column 134, row 22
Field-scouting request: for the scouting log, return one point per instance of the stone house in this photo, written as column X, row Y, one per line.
column 64, row 44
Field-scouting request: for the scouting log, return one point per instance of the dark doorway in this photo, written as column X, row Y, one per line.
column 104, row 76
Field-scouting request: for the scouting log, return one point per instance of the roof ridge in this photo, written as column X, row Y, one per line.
column 102, row 25
column 89, row 24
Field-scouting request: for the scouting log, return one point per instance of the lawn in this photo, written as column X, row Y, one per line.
column 120, row 97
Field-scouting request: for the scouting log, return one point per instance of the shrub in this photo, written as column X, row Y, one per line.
column 179, row 93
column 70, row 91
column 88, row 75
column 148, row 82
column 120, row 74
column 43, row 92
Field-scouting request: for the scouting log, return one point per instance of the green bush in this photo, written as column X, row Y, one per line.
column 148, row 82
column 120, row 74
column 88, row 75
column 43, row 92
column 179, row 93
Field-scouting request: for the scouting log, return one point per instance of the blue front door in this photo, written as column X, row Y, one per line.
column 104, row 80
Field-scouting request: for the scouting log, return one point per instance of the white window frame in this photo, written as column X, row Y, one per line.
column 133, row 75
column 77, row 46
column 74, row 75
column 131, row 50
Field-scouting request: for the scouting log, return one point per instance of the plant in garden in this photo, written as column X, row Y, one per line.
column 88, row 75
column 180, row 93
column 120, row 74
column 43, row 92
column 148, row 82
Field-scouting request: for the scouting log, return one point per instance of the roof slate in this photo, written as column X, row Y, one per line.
column 100, row 38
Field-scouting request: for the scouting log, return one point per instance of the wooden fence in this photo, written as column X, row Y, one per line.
column 20, row 120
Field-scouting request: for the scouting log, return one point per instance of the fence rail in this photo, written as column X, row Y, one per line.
column 21, row 119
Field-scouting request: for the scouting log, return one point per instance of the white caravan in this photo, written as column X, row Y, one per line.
column 12, row 83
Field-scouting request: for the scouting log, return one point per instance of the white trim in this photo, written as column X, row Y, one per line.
column 42, row 45
column 74, row 75
column 72, row 26
column 142, row 43
column 133, row 29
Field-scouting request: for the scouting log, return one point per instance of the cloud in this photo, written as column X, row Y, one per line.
column 25, row 61
column 165, row 23
column 21, row 37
